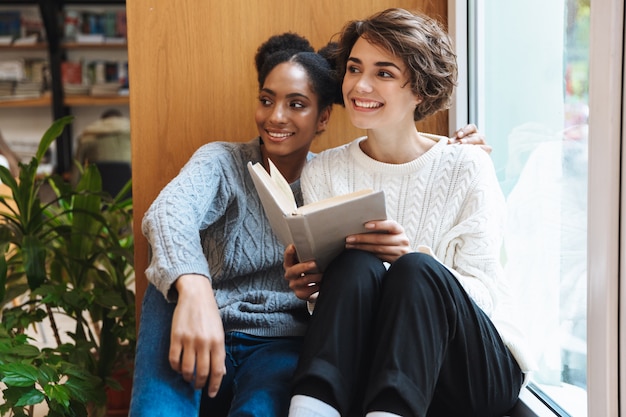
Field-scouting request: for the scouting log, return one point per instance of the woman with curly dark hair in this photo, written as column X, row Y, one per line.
column 218, row 317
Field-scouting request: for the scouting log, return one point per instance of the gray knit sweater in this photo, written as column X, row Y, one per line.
column 209, row 221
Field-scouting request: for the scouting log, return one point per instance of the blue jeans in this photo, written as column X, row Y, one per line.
column 257, row 381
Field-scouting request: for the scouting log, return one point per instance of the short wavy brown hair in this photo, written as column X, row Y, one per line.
column 423, row 45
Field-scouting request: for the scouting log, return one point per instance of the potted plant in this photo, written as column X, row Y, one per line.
column 70, row 257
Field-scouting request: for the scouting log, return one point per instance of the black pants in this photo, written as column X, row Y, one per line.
column 407, row 340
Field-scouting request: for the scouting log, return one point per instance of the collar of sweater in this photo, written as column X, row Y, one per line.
column 372, row 165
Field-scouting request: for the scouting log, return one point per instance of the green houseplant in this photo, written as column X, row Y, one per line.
column 70, row 257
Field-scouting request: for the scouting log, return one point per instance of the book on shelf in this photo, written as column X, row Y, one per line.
column 76, row 89
column 10, row 25
column 90, row 38
column 317, row 230
column 95, row 27
column 6, row 89
column 71, row 72
column 30, row 89
column 120, row 24
column 92, row 22
column 71, row 23
column 31, row 39
column 37, row 70
column 32, row 26
column 12, row 69
column 105, row 89
column 108, row 40
column 23, row 27
column 109, row 20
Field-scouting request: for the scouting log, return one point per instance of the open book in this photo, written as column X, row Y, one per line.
column 317, row 230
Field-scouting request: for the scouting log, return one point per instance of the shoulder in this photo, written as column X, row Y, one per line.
column 433, row 137
column 218, row 162
column 232, row 152
column 468, row 166
column 467, row 155
column 338, row 150
column 214, row 173
column 473, row 171
column 333, row 154
column 323, row 164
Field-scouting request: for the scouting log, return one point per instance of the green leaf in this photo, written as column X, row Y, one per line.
column 34, row 261
column 47, row 374
column 13, row 394
column 111, row 299
column 32, row 397
column 14, row 290
column 26, row 351
column 124, row 191
column 53, row 132
column 58, row 393
column 3, row 274
column 7, row 178
column 18, row 374
column 77, row 374
column 85, row 386
column 6, row 234
column 87, row 208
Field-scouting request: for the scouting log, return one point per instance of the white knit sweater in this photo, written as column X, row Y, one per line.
column 448, row 201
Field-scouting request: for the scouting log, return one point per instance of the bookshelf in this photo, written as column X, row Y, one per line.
column 41, row 46
column 56, row 51
column 85, row 100
column 103, row 46
column 43, row 101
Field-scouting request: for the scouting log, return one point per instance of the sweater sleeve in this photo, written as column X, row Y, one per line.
column 193, row 200
column 471, row 248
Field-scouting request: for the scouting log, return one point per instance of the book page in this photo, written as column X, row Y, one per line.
column 269, row 194
column 283, row 186
column 331, row 201
column 280, row 192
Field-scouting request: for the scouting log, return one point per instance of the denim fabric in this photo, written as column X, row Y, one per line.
column 257, row 381
column 258, row 377
column 157, row 389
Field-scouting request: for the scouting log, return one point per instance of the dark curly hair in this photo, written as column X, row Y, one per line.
column 319, row 66
column 420, row 42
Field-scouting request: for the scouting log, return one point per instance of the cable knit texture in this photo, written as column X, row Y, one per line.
column 448, row 201
column 235, row 248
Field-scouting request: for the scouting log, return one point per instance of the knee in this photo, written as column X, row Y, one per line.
column 415, row 262
column 354, row 269
column 353, row 258
column 415, row 270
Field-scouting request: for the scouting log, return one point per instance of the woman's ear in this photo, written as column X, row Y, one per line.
column 323, row 119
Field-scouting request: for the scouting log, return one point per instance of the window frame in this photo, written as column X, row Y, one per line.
column 605, row 229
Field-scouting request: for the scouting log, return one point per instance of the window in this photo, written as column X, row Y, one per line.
column 525, row 81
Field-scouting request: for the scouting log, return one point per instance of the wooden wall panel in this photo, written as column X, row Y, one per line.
column 192, row 78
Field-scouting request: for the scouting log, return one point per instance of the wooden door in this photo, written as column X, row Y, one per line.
column 192, row 79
